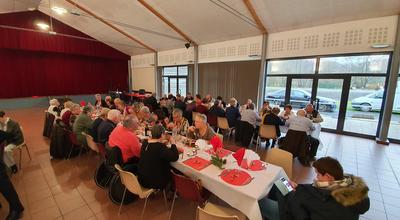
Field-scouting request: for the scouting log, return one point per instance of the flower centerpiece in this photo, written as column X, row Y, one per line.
column 216, row 159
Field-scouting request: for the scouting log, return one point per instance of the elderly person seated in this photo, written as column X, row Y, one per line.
column 109, row 102
column 96, row 123
column 246, row 105
column 100, row 102
column 69, row 117
column 179, row 123
column 202, row 108
column 232, row 113
column 155, row 157
column 250, row 115
column 83, row 123
column 287, row 112
column 14, row 130
column 272, row 118
column 215, row 111
column 67, row 107
column 201, row 129
column 124, row 137
column 333, row 195
column 104, row 130
column 54, row 108
column 120, row 105
column 298, row 140
column 144, row 114
column 265, row 108
column 313, row 114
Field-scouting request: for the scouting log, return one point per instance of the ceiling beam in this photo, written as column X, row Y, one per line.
column 110, row 25
column 170, row 24
column 255, row 16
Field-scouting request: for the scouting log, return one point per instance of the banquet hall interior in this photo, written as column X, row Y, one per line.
column 198, row 109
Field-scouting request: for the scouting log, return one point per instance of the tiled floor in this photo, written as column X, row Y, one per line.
column 64, row 189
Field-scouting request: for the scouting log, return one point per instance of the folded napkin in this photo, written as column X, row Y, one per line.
column 248, row 157
column 202, row 144
column 197, row 163
column 216, row 143
column 238, row 155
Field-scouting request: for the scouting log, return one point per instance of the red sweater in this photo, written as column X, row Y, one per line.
column 127, row 141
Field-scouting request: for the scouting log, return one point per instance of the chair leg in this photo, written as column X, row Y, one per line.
column 144, row 208
column 165, row 200
column 258, row 142
column 122, row 202
column 29, row 153
column 172, row 206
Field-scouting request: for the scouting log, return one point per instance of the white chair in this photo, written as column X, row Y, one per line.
column 281, row 158
column 131, row 183
column 215, row 212
column 223, row 124
column 267, row 132
column 90, row 142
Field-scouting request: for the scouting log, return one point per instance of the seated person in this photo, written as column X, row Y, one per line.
column 188, row 97
column 265, row 108
column 232, row 113
column 13, row 129
column 202, row 108
column 124, row 137
column 179, row 123
column 144, row 114
column 313, row 114
column 245, row 106
column 273, row 119
column 83, row 123
column 215, row 111
column 109, row 102
column 114, row 116
column 287, row 112
column 179, row 103
column 70, row 115
column 151, row 102
column 96, row 123
column 67, row 107
column 54, row 108
column 155, row 156
column 333, row 195
column 100, row 102
column 223, row 104
column 250, row 115
column 120, row 105
column 201, row 129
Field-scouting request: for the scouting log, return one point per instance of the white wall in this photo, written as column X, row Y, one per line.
column 144, row 78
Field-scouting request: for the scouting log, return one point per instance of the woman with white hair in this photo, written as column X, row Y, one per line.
column 54, row 108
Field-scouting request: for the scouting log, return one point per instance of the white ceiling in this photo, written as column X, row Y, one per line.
column 204, row 21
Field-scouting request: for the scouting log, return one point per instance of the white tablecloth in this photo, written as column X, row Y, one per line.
column 244, row 198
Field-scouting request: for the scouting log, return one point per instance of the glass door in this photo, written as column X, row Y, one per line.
column 300, row 92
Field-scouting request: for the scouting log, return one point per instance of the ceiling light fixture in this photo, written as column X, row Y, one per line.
column 59, row 10
column 380, row 46
column 43, row 26
column 31, row 9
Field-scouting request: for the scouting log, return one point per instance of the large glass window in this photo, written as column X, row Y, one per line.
column 174, row 80
column 298, row 66
column 354, row 64
column 275, row 90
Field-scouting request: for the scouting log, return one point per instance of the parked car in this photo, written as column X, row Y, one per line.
column 299, row 99
column 369, row 102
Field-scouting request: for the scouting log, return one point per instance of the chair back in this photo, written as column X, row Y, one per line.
column 113, row 156
column 223, row 123
column 187, row 188
column 268, row 131
column 90, row 142
column 281, row 158
column 102, row 150
column 212, row 119
column 205, row 215
column 131, row 182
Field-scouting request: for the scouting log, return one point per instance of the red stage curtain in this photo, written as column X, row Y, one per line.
column 27, row 73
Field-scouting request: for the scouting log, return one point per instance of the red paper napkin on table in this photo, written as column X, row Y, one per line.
column 221, row 152
column 197, row 163
column 256, row 165
column 239, row 154
column 236, row 177
column 216, row 143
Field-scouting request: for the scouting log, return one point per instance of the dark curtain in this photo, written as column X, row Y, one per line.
column 230, row 79
column 28, row 73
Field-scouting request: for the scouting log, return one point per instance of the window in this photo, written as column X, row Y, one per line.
column 298, row 66
column 174, row 80
column 354, row 64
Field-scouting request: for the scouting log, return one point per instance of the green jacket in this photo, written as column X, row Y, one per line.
column 82, row 124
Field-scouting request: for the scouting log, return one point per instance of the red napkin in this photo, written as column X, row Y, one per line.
column 221, row 152
column 236, row 177
column 216, row 143
column 197, row 163
column 256, row 165
column 239, row 154
column 82, row 103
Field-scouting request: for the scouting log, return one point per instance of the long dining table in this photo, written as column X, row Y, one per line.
column 244, row 198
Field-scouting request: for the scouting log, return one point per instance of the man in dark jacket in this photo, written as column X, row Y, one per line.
column 17, row 138
column 107, row 126
column 332, row 196
column 6, row 187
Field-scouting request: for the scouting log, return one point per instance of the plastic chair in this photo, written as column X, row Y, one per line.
column 20, row 147
column 132, row 184
column 223, row 124
column 92, row 145
column 74, row 142
column 188, row 189
column 267, row 132
column 215, row 212
column 281, row 158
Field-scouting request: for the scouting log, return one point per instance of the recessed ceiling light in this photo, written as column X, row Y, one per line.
column 42, row 25
column 31, row 9
column 59, row 10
